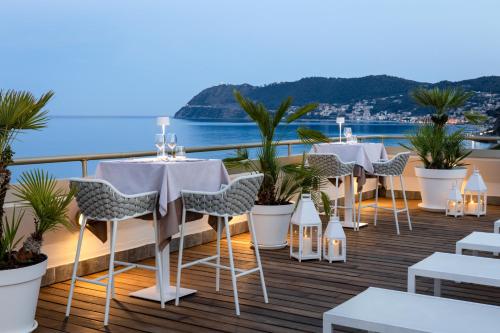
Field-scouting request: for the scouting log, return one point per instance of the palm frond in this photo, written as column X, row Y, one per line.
column 302, row 111
column 310, row 136
column 48, row 202
column 475, row 118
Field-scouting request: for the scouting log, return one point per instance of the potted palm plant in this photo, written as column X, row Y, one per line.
column 21, row 270
column 282, row 183
column 441, row 151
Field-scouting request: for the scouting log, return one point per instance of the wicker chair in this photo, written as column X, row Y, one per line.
column 332, row 167
column 390, row 169
column 237, row 198
column 98, row 200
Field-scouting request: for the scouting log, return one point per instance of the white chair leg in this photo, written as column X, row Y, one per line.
column 360, row 200
column 231, row 265
column 110, row 286
column 75, row 266
column 159, row 262
column 257, row 255
column 353, row 207
column 337, row 190
column 406, row 202
column 217, row 269
column 179, row 262
column 394, row 208
column 376, row 202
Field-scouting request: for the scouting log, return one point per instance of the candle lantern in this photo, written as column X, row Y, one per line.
column 455, row 202
column 475, row 195
column 340, row 121
column 334, row 241
column 306, row 222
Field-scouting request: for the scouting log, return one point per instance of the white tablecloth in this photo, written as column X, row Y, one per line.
column 361, row 153
column 168, row 178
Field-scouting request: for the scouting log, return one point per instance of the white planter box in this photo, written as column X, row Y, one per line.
column 271, row 225
column 435, row 185
column 19, row 290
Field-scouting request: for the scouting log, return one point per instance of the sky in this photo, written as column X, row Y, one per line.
column 145, row 57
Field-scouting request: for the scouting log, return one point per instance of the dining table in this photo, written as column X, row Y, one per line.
column 168, row 177
column 363, row 154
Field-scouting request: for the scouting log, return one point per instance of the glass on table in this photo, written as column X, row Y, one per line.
column 348, row 134
column 160, row 145
column 180, row 153
column 172, row 142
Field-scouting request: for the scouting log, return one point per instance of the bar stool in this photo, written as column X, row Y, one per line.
column 98, row 200
column 237, row 198
column 391, row 168
column 331, row 166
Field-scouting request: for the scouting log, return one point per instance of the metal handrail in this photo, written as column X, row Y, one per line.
column 84, row 158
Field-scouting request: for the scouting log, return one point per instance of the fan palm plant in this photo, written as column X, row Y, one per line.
column 281, row 182
column 437, row 148
column 19, row 111
column 50, row 207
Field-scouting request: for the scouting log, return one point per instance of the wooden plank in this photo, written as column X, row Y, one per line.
column 298, row 292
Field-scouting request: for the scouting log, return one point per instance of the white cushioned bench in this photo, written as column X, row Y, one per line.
column 383, row 310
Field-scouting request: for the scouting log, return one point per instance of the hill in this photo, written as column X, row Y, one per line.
column 379, row 94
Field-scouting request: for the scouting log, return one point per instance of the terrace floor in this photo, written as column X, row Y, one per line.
column 299, row 293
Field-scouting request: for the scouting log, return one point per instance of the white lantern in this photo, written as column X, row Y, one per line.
column 475, row 195
column 334, row 241
column 307, row 224
column 455, row 202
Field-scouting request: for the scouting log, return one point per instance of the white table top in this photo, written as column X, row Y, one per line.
column 478, row 240
column 364, row 154
column 450, row 266
column 383, row 310
column 169, row 178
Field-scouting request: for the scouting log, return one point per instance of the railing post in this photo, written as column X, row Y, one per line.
column 84, row 168
column 289, row 149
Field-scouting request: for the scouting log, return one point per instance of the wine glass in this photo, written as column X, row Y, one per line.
column 160, row 145
column 172, row 142
column 348, row 134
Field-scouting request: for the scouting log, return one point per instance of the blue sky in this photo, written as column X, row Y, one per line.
column 122, row 57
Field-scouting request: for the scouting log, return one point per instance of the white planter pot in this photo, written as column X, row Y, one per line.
column 435, row 185
column 271, row 225
column 18, row 297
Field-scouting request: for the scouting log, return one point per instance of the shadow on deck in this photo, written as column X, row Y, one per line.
column 299, row 293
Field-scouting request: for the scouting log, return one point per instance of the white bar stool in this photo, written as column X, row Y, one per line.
column 390, row 169
column 98, row 200
column 237, row 198
column 331, row 166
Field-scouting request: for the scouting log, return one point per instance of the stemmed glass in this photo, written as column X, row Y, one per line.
column 348, row 134
column 160, row 145
column 172, row 142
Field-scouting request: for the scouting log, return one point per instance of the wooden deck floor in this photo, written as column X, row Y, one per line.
column 298, row 292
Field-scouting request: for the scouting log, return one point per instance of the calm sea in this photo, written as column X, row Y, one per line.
column 87, row 135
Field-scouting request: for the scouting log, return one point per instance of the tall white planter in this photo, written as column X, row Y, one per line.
column 435, row 185
column 271, row 225
column 19, row 290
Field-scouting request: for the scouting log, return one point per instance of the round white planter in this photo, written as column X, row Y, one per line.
column 271, row 225
column 435, row 185
column 19, row 295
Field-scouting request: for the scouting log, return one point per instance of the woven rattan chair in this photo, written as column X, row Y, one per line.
column 98, row 200
column 390, row 169
column 237, row 198
column 332, row 167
